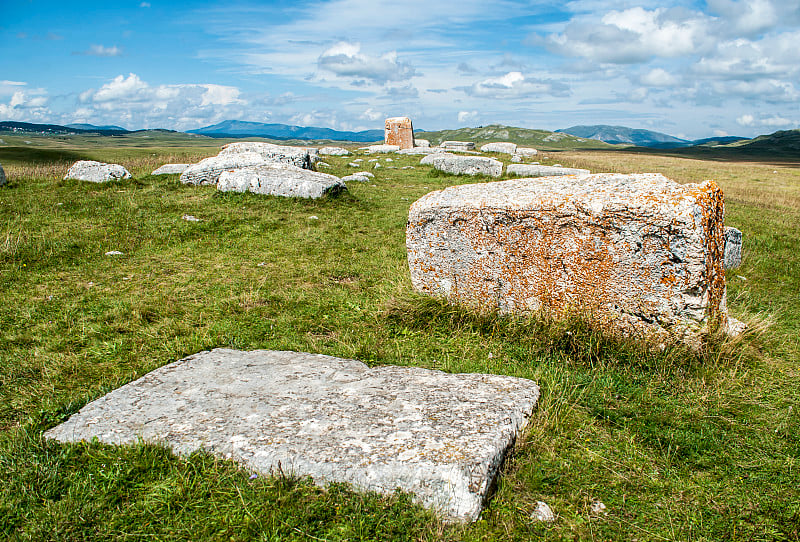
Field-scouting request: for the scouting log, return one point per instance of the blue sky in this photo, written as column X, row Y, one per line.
column 688, row 68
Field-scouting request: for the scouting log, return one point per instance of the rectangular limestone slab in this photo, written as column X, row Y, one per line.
column 641, row 254
column 399, row 131
column 440, row 436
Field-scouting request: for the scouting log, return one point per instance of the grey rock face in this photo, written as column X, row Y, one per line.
column 421, row 143
column 2, row 175
column 516, row 158
column 640, row 255
column 733, row 248
column 301, row 157
column 458, row 145
column 171, row 169
column 96, row 172
column 276, row 179
column 502, row 146
column 533, row 170
column 468, row 165
column 527, row 151
column 428, row 160
column 334, row 151
column 355, row 177
column 208, row 170
column 439, row 436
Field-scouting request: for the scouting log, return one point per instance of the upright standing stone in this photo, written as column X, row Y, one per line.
column 398, row 131
column 733, row 248
column 437, row 435
column 2, row 175
column 639, row 254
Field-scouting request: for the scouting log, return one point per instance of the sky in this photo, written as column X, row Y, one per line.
column 688, row 68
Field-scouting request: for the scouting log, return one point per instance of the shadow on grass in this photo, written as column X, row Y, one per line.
column 34, row 155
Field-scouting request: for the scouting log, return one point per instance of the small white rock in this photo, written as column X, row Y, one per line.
column 313, row 217
column 114, row 253
column 190, row 218
column 374, row 160
column 353, row 164
column 542, row 512
column 376, row 166
column 598, row 508
column 323, row 164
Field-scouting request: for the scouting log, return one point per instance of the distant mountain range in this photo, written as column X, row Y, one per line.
column 92, row 127
column 622, row 135
column 240, row 128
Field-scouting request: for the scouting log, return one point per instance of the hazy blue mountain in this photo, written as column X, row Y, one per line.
column 724, row 140
column 92, row 127
column 239, row 128
column 617, row 135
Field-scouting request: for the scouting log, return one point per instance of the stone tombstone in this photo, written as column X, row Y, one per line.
column 467, row 165
column 640, row 255
column 733, row 248
column 279, row 179
column 96, row 172
column 398, row 131
column 2, row 175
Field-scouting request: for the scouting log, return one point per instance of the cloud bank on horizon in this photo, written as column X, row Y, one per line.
column 685, row 67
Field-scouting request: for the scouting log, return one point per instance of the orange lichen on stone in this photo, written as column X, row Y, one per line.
column 640, row 254
column 398, row 131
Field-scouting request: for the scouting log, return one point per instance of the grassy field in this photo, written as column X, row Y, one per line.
column 678, row 446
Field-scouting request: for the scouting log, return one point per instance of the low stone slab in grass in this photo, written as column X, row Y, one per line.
column 278, row 179
column 439, row 436
column 302, row 157
column 641, row 255
column 171, row 169
column 536, row 170
column 96, row 172
column 2, row 175
column 208, row 170
column 468, row 165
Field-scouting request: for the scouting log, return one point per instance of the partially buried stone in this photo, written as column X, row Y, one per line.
column 534, row 170
column 733, row 248
column 334, row 151
column 96, row 172
column 458, row 145
column 383, row 148
column 502, row 147
column 639, row 255
column 302, row 157
column 280, row 180
column 468, row 165
column 171, row 169
column 2, row 175
column 207, row 171
column 439, row 436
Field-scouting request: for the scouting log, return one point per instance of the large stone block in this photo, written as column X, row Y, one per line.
column 500, row 146
column 398, row 131
column 302, row 157
column 96, row 172
column 467, row 165
column 171, row 169
column 208, row 170
column 536, row 170
column 639, row 254
column 278, row 179
column 458, row 145
column 440, row 436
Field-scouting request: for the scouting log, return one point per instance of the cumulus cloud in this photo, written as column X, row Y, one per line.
column 464, row 116
column 634, row 35
column 516, row 85
column 774, row 55
column 371, row 115
column 746, row 16
column 100, row 50
column 346, row 60
column 774, row 121
column 659, row 77
column 25, row 104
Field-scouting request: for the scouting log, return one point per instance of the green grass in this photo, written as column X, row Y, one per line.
column 677, row 445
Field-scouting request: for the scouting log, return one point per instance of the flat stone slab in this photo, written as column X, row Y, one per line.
column 278, row 179
column 535, row 170
column 439, row 436
column 171, row 169
column 208, row 170
column 468, row 165
column 334, row 151
column 302, row 157
column 500, row 146
column 96, row 172
column 462, row 145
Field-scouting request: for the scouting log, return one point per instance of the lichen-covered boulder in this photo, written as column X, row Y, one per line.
column 208, row 170
column 468, row 165
column 301, row 157
column 641, row 255
column 96, row 172
column 501, row 146
column 535, row 170
column 171, row 169
column 2, row 175
column 733, row 248
column 277, row 179
column 334, row 151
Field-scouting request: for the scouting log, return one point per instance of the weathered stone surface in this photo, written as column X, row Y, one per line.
column 639, row 254
column 2, row 175
column 398, row 131
column 527, row 151
column 458, row 145
column 421, row 142
column 301, row 157
column 468, row 165
column 733, row 248
column 535, row 170
column 171, row 169
column 96, row 172
column 383, row 148
column 516, row 158
column 334, row 151
column 360, row 176
column 440, row 436
column 277, row 179
column 428, row 160
column 208, row 170
column 420, row 150
column 500, row 146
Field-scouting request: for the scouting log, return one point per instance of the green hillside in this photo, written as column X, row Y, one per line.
column 538, row 139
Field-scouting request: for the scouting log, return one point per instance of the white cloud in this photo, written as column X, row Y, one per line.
column 371, row 115
column 464, row 116
column 746, row 120
column 746, row 16
column 101, row 50
column 346, row 60
column 220, row 95
column 777, row 122
column 516, row 85
column 721, row 133
column 144, row 5
column 25, row 104
column 658, row 77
